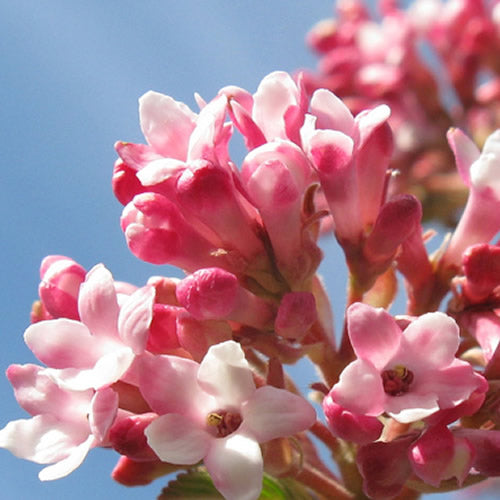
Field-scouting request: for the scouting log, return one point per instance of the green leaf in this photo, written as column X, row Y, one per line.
column 196, row 484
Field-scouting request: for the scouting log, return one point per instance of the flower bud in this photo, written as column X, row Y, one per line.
column 61, row 278
column 360, row 429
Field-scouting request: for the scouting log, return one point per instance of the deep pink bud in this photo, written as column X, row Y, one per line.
column 206, row 193
column 481, row 265
column 359, row 429
column 397, row 219
column 438, row 455
column 125, row 183
column 132, row 473
column 61, row 278
column 216, row 294
column 162, row 336
column 157, row 232
column 127, row 437
column 296, row 314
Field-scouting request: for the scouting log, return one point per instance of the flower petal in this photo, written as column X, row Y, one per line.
column 431, row 340
column 37, row 393
column 97, row 302
column 374, row 334
column 45, row 439
column 272, row 413
column 360, row 389
column 166, row 124
column 63, row 343
column 135, row 318
column 177, row 439
column 411, row 406
column 103, row 409
column 224, row 373
column 68, row 464
column 108, row 369
column 169, row 384
column 236, row 467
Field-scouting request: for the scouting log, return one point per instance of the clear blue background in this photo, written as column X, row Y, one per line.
column 71, row 73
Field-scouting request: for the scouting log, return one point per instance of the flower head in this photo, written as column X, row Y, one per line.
column 411, row 374
column 213, row 412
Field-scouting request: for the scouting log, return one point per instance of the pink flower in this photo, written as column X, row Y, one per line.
column 213, row 412
column 411, row 374
column 61, row 278
column 97, row 350
column 65, row 424
column 480, row 220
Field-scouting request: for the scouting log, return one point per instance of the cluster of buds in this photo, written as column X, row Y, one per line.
column 188, row 374
column 435, row 64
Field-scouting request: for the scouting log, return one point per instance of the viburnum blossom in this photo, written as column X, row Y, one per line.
column 97, row 350
column 214, row 412
column 408, row 374
column 64, row 426
column 188, row 376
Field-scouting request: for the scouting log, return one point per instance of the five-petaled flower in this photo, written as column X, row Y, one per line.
column 213, row 412
column 408, row 374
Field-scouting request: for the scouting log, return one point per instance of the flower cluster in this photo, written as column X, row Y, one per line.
column 188, row 374
column 435, row 64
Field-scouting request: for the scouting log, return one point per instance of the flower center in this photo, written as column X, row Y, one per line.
column 224, row 422
column 397, row 381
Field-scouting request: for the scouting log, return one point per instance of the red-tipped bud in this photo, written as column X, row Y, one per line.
column 216, row 294
column 397, row 219
column 296, row 314
column 132, row 473
column 127, row 437
column 163, row 329
column 482, row 271
column 61, row 278
column 125, row 183
column 360, row 429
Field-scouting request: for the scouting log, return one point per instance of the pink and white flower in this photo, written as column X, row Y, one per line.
column 64, row 426
column 408, row 374
column 213, row 412
column 97, row 350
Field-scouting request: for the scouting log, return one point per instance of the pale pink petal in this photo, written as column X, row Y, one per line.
column 102, row 413
column 63, row 343
column 452, row 385
column 431, row 340
column 108, row 369
column 272, row 413
column 166, row 124
column 135, row 318
column 374, row 334
column 275, row 94
column 45, row 439
column 68, row 464
column 177, row 439
column 225, row 374
column 331, row 112
column 236, row 467
column 160, row 170
column 411, row 406
column 369, row 120
column 360, row 389
column 465, row 150
column 169, row 384
column 97, row 302
column 484, row 171
column 37, row 393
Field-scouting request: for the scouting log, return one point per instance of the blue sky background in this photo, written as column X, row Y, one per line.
column 71, row 74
